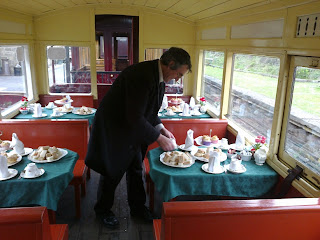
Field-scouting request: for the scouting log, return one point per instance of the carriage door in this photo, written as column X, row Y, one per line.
column 116, row 48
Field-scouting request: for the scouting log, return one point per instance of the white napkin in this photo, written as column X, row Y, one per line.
column 68, row 98
column 17, row 145
column 186, row 111
column 3, row 167
column 192, row 103
column 37, row 110
column 240, row 141
column 214, row 162
column 164, row 102
column 189, row 139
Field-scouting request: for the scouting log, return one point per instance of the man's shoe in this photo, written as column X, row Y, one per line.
column 109, row 220
column 142, row 213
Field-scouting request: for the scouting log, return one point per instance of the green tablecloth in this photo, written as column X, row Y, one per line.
column 172, row 182
column 163, row 116
column 45, row 190
column 90, row 117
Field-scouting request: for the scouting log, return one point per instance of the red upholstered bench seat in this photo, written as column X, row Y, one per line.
column 262, row 219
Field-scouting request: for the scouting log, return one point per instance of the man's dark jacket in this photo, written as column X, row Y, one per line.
column 125, row 120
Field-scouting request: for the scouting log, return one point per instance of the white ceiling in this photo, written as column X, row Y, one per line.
column 192, row 10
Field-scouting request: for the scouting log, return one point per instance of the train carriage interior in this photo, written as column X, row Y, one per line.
column 255, row 71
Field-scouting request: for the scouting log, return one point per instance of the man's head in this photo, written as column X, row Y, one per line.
column 175, row 63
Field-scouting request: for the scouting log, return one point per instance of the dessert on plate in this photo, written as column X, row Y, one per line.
column 176, row 100
column 215, row 139
column 175, row 108
column 46, row 153
column 206, row 140
column 5, row 145
column 176, row 158
column 84, row 110
column 11, row 158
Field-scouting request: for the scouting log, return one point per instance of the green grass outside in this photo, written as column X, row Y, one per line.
column 306, row 94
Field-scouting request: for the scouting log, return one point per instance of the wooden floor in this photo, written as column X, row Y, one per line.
column 91, row 228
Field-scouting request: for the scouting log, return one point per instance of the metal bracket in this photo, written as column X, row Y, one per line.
column 286, row 184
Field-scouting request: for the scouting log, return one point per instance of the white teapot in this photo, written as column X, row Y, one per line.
column 260, row 156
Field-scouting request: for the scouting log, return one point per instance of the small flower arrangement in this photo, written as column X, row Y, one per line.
column 260, row 141
column 203, row 101
column 24, row 103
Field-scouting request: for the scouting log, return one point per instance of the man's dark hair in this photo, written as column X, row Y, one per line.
column 178, row 55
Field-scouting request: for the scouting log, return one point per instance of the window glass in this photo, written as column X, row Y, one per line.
column 15, row 78
column 253, row 92
column 303, row 125
column 172, row 87
column 69, row 69
column 212, row 79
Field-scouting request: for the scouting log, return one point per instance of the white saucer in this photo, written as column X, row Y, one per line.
column 190, row 149
column 12, row 172
column 205, row 168
column 181, row 114
column 27, row 151
column 224, row 147
column 51, row 107
column 169, row 114
column 42, row 171
column 59, row 114
column 242, row 170
column 233, row 146
column 159, row 114
column 198, row 114
column 43, row 115
column 61, row 102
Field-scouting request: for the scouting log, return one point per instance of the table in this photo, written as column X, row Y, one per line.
column 163, row 116
column 45, row 190
column 172, row 182
column 90, row 117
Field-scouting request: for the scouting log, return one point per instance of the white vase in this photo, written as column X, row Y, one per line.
column 203, row 109
column 260, row 156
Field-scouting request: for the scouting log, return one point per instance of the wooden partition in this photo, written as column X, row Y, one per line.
column 78, row 100
column 263, row 219
column 63, row 133
column 30, row 223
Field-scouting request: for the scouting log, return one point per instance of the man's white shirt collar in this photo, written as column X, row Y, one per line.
column 160, row 72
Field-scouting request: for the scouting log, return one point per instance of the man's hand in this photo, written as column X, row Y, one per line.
column 166, row 143
column 166, row 133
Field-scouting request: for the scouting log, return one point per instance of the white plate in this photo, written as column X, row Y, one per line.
column 181, row 114
column 177, row 166
column 233, row 146
column 170, row 114
column 205, row 168
column 199, row 142
column 76, row 109
column 196, row 114
column 62, row 103
column 12, row 172
column 223, row 157
column 43, row 115
column 63, row 110
column 159, row 114
column 27, row 151
column 59, row 114
column 190, row 149
column 18, row 160
column 62, row 154
column 42, row 171
column 224, row 147
column 242, row 170
column 51, row 107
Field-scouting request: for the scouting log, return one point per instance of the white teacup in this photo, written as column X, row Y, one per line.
column 224, row 142
column 50, row 105
column 235, row 164
column 31, row 170
column 170, row 112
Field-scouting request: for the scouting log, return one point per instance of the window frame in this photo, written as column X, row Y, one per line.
column 283, row 156
column 30, row 85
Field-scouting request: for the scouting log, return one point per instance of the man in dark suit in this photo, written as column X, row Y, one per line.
column 125, row 123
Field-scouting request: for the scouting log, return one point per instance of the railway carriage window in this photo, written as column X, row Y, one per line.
column 300, row 141
column 212, row 79
column 69, row 69
column 15, row 77
column 253, row 92
column 172, row 87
